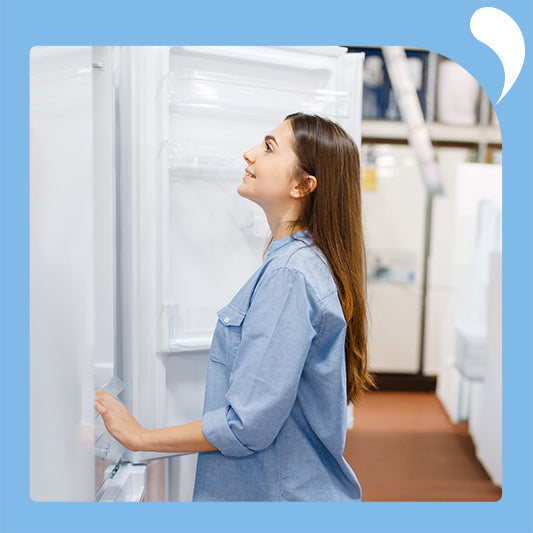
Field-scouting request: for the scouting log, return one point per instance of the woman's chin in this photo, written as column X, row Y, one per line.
column 241, row 191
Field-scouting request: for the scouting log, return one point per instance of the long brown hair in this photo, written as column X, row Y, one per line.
column 332, row 214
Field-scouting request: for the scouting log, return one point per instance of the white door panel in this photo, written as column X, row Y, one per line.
column 62, row 269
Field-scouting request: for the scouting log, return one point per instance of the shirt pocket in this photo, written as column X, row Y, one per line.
column 230, row 326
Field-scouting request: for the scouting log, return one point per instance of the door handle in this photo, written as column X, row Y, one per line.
column 145, row 457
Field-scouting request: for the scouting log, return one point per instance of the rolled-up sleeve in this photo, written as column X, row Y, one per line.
column 277, row 333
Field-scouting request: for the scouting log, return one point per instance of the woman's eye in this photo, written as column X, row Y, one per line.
column 268, row 147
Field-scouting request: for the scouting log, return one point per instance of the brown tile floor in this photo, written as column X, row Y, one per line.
column 403, row 447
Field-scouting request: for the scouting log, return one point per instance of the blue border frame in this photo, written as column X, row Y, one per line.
column 441, row 26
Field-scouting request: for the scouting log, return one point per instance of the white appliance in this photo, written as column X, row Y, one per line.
column 136, row 158
column 470, row 368
column 476, row 217
column 394, row 213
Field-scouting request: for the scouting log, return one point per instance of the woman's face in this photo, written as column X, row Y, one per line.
column 271, row 164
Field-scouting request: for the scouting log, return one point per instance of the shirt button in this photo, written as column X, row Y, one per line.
column 226, row 320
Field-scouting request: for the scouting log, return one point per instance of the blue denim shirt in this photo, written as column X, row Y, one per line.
column 275, row 399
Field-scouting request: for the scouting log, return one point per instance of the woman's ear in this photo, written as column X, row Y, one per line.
column 309, row 185
column 312, row 183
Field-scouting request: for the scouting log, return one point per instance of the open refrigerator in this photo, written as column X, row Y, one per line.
column 136, row 155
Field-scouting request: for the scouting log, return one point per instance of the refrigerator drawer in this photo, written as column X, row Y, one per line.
column 127, row 484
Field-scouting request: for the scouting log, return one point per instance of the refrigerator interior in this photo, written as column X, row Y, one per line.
column 222, row 101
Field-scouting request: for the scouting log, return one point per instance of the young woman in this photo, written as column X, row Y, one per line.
column 289, row 351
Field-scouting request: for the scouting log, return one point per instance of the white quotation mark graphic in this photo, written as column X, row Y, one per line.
column 501, row 33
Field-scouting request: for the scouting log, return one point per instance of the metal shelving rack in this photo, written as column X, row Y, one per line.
column 379, row 131
column 482, row 136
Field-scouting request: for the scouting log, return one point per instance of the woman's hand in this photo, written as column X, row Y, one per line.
column 118, row 421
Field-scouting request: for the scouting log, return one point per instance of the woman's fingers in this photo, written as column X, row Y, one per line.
column 104, row 400
column 118, row 420
column 99, row 401
column 99, row 407
column 103, row 397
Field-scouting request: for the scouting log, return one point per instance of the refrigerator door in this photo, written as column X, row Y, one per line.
column 63, row 252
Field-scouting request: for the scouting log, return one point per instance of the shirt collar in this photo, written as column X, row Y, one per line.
column 279, row 243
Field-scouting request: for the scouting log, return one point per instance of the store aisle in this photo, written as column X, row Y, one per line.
column 403, row 447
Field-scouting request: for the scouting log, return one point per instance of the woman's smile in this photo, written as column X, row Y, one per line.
column 249, row 175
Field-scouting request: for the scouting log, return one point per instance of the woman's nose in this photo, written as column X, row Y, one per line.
column 248, row 156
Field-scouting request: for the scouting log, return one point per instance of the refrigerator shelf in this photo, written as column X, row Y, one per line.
column 299, row 59
column 229, row 95
column 189, row 328
column 229, row 109
column 187, row 155
column 212, row 172
column 180, row 84
column 189, row 345
column 226, row 78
